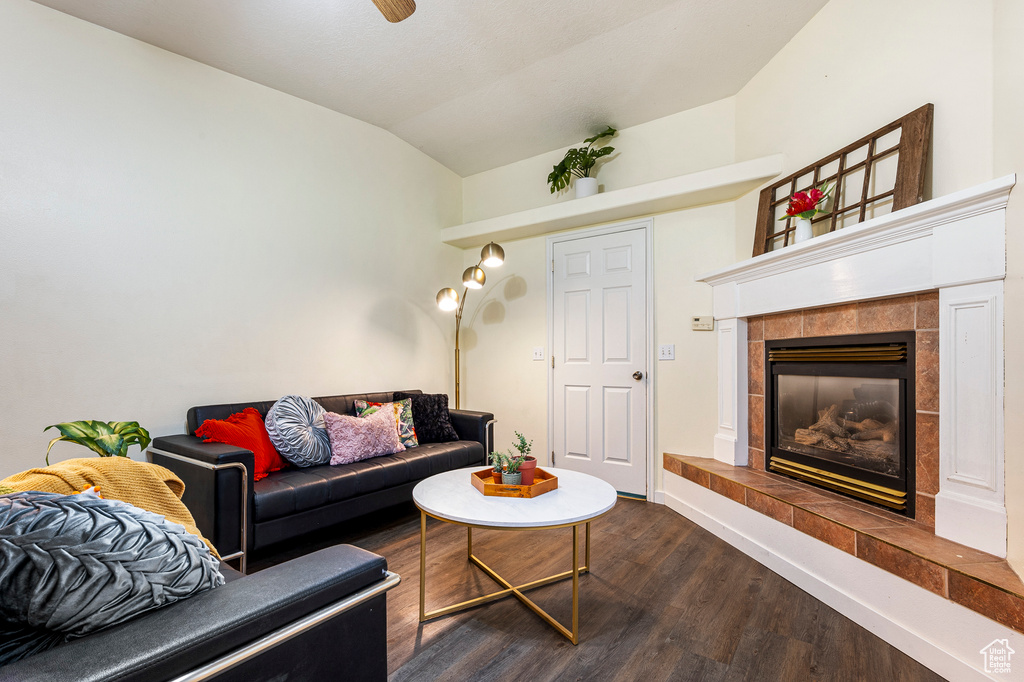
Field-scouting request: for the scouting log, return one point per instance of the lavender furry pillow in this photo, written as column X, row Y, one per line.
column 354, row 439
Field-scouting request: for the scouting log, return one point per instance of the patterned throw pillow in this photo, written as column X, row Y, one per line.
column 296, row 428
column 430, row 412
column 403, row 418
column 354, row 439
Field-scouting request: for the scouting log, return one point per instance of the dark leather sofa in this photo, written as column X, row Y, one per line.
column 317, row 617
column 295, row 501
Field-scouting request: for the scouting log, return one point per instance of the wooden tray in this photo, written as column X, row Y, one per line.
column 543, row 482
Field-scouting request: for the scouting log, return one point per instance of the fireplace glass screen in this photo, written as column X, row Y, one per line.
column 848, row 420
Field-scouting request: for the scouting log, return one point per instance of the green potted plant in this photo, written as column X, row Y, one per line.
column 106, row 439
column 579, row 162
column 528, row 465
column 497, row 462
column 510, row 474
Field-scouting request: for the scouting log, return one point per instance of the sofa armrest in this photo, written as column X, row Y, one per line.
column 472, row 425
column 193, row 447
column 218, row 488
column 289, row 601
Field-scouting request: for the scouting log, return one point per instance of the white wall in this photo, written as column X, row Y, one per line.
column 964, row 57
column 1009, row 158
column 508, row 318
column 856, row 66
column 859, row 64
column 171, row 235
column 502, row 325
column 686, row 142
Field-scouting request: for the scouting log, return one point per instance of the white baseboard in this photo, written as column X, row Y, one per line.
column 940, row 634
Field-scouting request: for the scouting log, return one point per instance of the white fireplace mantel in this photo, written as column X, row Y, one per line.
column 955, row 244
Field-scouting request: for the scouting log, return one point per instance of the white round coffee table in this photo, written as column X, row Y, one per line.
column 452, row 498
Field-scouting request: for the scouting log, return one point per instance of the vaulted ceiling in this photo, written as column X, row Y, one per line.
column 475, row 84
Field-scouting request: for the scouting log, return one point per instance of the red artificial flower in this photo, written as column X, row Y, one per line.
column 805, row 204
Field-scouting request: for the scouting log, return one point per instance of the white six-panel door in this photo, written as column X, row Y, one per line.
column 599, row 320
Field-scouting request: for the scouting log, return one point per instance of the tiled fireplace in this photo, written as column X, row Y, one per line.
column 931, row 275
column 881, row 324
column 933, row 271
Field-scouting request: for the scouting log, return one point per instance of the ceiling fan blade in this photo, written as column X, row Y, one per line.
column 396, row 10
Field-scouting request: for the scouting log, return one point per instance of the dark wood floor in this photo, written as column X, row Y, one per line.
column 666, row 601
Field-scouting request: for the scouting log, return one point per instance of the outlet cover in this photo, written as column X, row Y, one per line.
column 538, row 352
column 667, row 351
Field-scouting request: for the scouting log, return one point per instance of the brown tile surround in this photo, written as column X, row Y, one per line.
column 909, row 549
column 918, row 313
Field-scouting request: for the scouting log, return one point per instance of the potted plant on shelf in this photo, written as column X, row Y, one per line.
column 106, row 439
column 579, row 162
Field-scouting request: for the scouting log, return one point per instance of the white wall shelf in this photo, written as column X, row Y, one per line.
column 672, row 194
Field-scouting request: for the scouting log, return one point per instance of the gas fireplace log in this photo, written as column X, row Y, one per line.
column 886, row 433
column 869, row 449
column 821, row 440
column 858, row 427
column 872, row 449
column 828, row 423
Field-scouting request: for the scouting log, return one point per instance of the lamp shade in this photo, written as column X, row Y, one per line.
column 492, row 255
column 447, row 299
column 474, row 277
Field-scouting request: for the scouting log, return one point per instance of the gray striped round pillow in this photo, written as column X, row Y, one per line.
column 296, row 428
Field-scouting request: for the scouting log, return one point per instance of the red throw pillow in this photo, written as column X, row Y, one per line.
column 245, row 429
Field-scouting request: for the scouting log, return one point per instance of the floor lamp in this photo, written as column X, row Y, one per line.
column 492, row 256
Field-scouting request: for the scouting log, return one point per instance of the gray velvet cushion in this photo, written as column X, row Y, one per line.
column 74, row 564
column 296, row 428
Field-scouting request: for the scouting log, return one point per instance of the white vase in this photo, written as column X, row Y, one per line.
column 586, row 187
column 803, row 230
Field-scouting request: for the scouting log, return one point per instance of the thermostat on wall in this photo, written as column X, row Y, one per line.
column 705, row 323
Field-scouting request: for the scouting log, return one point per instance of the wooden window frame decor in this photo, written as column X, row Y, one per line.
column 912, row 156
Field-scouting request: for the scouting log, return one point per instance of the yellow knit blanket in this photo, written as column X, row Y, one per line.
column 147, row 486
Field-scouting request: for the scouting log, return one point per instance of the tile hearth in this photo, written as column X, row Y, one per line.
column 909, row 549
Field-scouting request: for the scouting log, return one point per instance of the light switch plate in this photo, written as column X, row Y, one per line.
column 705, row 323
column 538, row 352
column 667, row 351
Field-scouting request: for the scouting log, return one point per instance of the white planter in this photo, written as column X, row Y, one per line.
column 586, row 187
column 803, row 230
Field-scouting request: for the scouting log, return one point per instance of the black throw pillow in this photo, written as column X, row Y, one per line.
column 430, row 417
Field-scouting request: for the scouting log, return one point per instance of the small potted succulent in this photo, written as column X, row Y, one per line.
column 510, row 474
column 497, row 460
column 579, row 162
column 106, row 439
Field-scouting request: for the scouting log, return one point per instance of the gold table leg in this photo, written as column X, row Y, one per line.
column 509, row 588
column 423, row 565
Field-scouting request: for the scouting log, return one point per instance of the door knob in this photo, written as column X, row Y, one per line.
column 638, row 375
